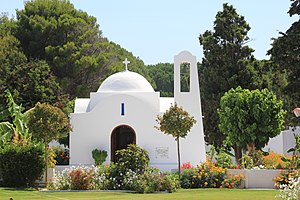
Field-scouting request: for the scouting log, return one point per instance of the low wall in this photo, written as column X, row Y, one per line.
column 262, row 178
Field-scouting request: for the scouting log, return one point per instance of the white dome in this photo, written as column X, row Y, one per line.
column 125, row 81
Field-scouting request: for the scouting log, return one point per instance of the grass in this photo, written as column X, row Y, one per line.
column 211, row 194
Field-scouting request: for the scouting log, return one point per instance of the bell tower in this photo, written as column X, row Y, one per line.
column 187, row 95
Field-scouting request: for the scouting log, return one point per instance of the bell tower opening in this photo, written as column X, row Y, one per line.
column 185, row 80
column 121, row 137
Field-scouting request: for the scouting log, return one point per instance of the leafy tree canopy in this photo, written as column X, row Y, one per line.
column 250, row 118
column 285, row 52
column 71, row 42
column 47, row 123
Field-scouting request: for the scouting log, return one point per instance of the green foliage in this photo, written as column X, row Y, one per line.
column 222, row 157
column 285, row 52
column 176, row 122
column 163, row 76
column 62, row 155
column 223, row 66
column 71, row 42
column 153, row 181
column 250, row 118
column 29, row 81
column 47, row 122
column 21, row 165
column 7, row 26
column 133, row 157
column 208, row 175
column 224, row 160
column 99, row 156
column 17, row 131
column 254, row 158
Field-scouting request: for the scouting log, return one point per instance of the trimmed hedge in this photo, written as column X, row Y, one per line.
column 21, row 165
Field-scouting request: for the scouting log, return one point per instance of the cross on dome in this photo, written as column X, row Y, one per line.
column 126, row 62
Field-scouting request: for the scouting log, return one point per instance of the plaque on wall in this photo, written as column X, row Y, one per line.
column 162, row 152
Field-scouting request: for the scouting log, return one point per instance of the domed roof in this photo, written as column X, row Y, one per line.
column 125, row 81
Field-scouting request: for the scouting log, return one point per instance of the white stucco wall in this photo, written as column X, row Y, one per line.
column 93, row 129
column 283, row 142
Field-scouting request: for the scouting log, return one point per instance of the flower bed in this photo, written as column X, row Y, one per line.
column 208, row 175
column 111, row 177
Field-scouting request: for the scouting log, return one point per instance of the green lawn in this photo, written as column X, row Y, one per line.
column 210, row 194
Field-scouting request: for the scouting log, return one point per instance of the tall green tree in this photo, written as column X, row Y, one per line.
column 176, row 122
column 29, row 81
column 250, row 118
column 285, row 52
column 223, row 66
column 68, row 39
column 47, row 123
column 71, row 42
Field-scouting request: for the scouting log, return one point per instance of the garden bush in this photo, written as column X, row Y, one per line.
column 291, row 191
column 62, row 155
column 274, row 161
column 133, row 157
column 79, row 178
column 21, row 165
column 285, row 176
column 152, row 180
column 208, row 175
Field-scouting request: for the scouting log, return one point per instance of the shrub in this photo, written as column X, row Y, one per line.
column 133, row 157
column 152, row 180
column 284, row 176
column 62, row 155
column 274, row 161
column 80, row 178
column 171, row 182
column 208, row 175
column 99, row 156
column 205, row 175
column 291, row 191
column 232, row 181
column 120, row 177
column 21, row 165
column 224, row 160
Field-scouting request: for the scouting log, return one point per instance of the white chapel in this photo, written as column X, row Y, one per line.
column 124, row 110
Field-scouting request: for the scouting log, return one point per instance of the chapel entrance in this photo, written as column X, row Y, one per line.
column 121, row 136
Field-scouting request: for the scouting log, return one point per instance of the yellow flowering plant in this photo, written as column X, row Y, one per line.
column 208, row 175
column 284, row 176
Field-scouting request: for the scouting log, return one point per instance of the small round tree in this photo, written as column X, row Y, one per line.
column 250, row 118
column 176, row 122
column 47, row 123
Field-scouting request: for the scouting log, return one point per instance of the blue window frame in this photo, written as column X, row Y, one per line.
column 122, row 109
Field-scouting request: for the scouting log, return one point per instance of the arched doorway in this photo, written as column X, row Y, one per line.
column 121, row 136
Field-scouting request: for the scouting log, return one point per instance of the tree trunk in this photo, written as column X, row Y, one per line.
column 251, row 147
column 238, row 154
column 46, row 162
column 178, row 152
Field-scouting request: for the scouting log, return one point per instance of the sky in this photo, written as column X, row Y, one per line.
column 157, row 30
